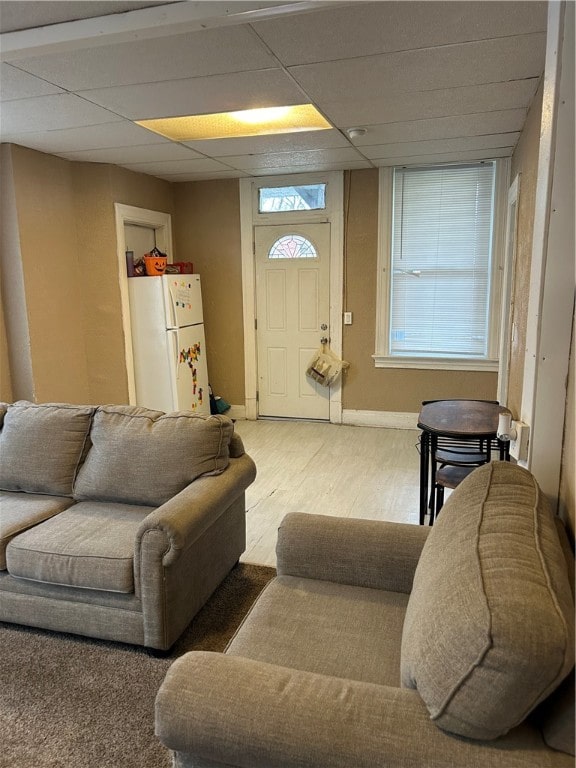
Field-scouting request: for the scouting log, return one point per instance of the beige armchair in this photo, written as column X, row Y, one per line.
column 383, row 644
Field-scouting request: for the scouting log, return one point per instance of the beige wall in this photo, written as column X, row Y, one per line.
column 49, row 260
column 14, row 324
column 97, row 188
column 525, row 163
column 71, row 298
column 206, row 231
column 386, row 389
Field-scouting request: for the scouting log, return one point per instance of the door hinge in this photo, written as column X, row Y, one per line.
column 257, row 396
column 255, row 323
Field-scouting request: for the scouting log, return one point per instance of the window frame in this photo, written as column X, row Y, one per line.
column 260, row 187
column 382, row 357
column 286, row 217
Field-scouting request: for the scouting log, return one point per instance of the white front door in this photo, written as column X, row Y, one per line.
column 293, row 315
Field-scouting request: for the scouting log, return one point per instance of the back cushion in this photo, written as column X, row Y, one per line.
column 489, row 629
column 41, row 446
column 145, row 457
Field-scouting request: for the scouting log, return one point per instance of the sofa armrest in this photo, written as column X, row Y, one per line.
column 364, row 553
column 175, row 525
column 234, row 711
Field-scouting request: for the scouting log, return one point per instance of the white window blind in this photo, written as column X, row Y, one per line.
column 441, row 254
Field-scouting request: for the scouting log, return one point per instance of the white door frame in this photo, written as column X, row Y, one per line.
column 551, row 298
column 161, row 223
column 506, row 325
column 249, row 218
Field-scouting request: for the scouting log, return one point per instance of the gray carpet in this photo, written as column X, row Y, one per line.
column 68, row 701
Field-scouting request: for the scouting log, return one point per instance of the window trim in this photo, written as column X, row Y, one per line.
column 381, row 356
column 287, row 217
column 260, row 187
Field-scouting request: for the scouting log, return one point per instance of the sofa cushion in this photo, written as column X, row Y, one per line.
column 89, row 545
column 140, row 456
column 41, row 447
column 20, row 511
column 312, row 625
column 489, row 630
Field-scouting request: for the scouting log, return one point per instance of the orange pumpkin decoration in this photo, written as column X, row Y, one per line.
column 155, row 265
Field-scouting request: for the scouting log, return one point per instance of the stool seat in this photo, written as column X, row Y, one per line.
column 461, row 458
column 452, row 476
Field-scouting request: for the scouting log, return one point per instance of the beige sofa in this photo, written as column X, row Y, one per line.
column 117, row 522
column 393, row 645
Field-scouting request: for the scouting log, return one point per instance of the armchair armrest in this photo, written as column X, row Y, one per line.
column 362, row 553
column 184, row 518
column 234, row 711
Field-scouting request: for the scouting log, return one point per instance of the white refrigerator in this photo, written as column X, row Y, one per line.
column 168, row 344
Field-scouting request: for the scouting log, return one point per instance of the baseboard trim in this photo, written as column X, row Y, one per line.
column 387, row 419
column 236, row 412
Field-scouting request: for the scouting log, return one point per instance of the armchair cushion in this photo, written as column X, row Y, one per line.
column 313, row 625
column 492, row 559
column 29, row 434
column 139, row 456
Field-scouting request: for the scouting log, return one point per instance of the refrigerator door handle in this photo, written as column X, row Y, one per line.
column 177, row 355
column 174, row 342
column 170, row 303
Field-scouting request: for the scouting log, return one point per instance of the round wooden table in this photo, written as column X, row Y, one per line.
column 461, row 421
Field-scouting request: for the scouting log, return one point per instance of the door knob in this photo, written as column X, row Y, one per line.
column 323, row 327
column 324, row 340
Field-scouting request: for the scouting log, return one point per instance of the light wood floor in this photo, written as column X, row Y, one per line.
column 326, row 469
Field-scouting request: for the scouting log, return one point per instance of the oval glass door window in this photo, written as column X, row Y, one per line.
column 292, row 247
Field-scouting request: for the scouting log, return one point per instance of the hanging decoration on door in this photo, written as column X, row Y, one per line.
column 191, row 356
column 326, row 367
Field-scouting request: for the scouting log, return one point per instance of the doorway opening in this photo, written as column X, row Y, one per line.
column 137, row 228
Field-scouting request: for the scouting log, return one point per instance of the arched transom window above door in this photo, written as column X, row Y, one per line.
column 292, row 247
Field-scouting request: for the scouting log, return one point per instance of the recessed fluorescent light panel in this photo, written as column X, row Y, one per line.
column 248, row 122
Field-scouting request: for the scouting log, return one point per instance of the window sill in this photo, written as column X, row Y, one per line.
column 437, row 363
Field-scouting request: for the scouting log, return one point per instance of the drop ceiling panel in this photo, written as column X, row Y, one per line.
column 177, row 166
column 451, row 66
column 430, row 81
column 287, row 142
column 118, row 134
column 134, row 154
column 197, row 54
column 448, row 157
column 21, row 85
column 353, row 109
column 205, row 176
column 287, row 159
column 373, row 28
column 51, row 112
column 444, row 146
column 504, row 121
column 319, row 167
column 199, row 95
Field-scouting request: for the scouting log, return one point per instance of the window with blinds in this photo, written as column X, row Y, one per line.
column 441, row 254
column 441, row 251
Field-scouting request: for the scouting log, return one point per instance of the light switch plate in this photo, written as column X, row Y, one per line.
column 347, row 318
